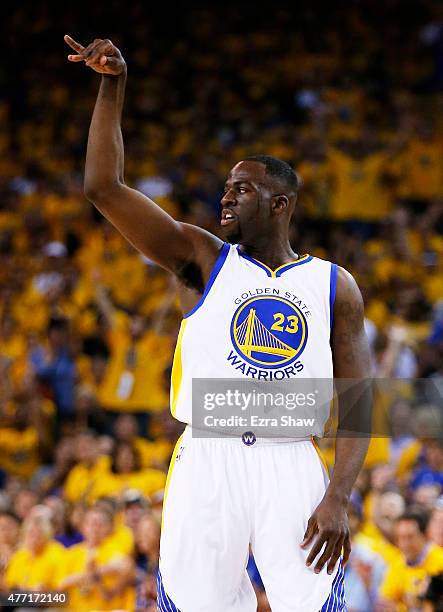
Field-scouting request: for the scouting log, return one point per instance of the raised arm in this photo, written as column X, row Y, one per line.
column 351, row 357
column 171, row 244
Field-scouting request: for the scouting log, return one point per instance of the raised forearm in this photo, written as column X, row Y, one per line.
column 105, row 154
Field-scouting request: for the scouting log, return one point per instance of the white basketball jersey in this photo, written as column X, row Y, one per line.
column 257, row 323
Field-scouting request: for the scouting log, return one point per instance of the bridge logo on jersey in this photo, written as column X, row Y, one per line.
column 269, row 331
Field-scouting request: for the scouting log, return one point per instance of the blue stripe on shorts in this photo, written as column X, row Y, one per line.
column 336, row 599
column 164, row 603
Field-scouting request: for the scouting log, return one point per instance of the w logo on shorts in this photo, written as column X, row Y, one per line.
column 249, row 438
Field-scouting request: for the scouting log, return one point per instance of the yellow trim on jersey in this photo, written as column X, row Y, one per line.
column 176, row 374
column 168, row 477
column 289, row 263
column 320, row 454
column 299, row 260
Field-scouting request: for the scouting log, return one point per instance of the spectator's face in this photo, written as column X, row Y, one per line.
column 148, row 536
column 65, row 451
column 58, row 338
column 24, row 502
column 85, row 449
column 389, row 507
column 125, row 460
column 435, row 527
column 98, row 368
column 409, row 539
column 58, row 512
column 96, row 527
column 434, row 455
column 380, row 477
column 426, row 496
column 9, row 531
column 126, row 428
column 35, row 536
column 133, row 515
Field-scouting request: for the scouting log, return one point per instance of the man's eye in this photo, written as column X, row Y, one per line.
column 242, row 190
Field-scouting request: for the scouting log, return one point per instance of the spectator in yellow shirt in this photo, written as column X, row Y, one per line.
column 152, row 454
column 406, row 580
column 97, row 576
column 24, row 436
column 89, row 469
column 9, row 534
column 34, row 565
column 126, row 472
column 380, row 528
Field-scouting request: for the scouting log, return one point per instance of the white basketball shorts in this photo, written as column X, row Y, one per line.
column 222, row 497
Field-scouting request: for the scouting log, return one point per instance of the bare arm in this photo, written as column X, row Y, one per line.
column 150, row 229
column 351, row 359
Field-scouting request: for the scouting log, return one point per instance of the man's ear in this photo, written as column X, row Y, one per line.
column 279, row 203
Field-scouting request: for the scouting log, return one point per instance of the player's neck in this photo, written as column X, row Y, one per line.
column 273, row 253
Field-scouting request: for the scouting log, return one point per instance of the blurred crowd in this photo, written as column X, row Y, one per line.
column 352, row 98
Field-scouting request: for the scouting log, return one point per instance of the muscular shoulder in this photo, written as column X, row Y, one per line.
column 348, row 299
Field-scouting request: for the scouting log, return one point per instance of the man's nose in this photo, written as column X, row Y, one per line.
column 228, row 198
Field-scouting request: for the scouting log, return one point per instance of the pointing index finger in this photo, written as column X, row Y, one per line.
column 73, row 44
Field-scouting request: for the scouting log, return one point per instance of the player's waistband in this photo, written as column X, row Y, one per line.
column 247, row 438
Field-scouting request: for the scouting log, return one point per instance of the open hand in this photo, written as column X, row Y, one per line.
column 101, row 55
column 328, row 525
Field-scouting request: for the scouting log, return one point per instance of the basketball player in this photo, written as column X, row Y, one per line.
column 226, row 494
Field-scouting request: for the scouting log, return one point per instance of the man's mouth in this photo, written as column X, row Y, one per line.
column 227, row 217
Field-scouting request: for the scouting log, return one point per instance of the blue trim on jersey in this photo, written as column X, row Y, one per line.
column 278, row 271
column 336, row 600
column 332, row 291
column 292, row 265
column 164, row 603
column 214, row 273
column 254, row 261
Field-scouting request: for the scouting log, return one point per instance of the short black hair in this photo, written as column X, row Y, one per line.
column 278, row 168
column 419, row 518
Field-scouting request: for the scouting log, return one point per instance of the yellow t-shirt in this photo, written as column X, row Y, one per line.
column 408, row 458
column 26, row 571
column 147, row 481
column 19, row 451
column 134, row 379
column 81, row 479
column 121, row 539
column 422, row 170
column 404, row 583
column 152, row 453
column 89, row 597
column 358, row 191
column 379, row 544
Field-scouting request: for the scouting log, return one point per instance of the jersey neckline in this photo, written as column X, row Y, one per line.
column 278, row 271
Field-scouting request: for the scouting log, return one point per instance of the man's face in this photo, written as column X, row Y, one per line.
column 96, row 527
column 9, row 531
column 409, row 539
column 246, row 202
